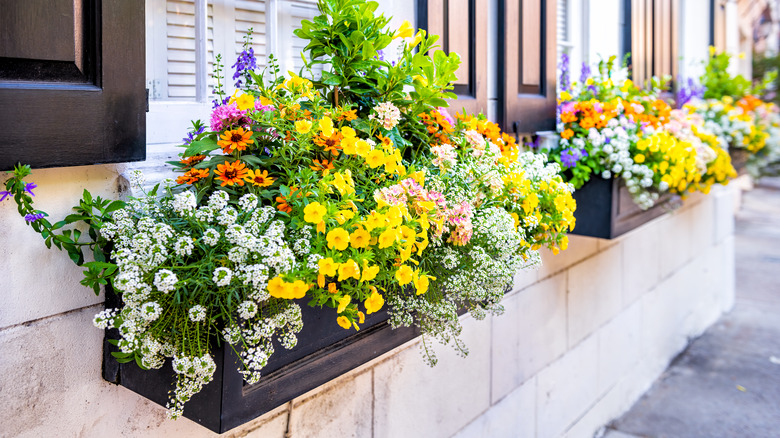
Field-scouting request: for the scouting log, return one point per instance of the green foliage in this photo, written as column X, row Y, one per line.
column 91, row 212
column 718, row 82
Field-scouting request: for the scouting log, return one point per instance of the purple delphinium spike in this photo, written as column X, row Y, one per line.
column 32, row 217
column 246, row 61
column 564, row 66
column 29, row 188
column 584, row 72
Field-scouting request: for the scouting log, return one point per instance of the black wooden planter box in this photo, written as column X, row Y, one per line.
column 606, row 210
column 324, row 352
column 739, row 159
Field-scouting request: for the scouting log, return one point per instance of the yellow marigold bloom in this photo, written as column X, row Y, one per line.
column 327, row 267
column 369, row 272
column 362, row 147
column 387, row 238
column 343, row 303
column 404, row 275
column 405, row 31
column 639, row 158
column 375, row 158
column 314, row 212
column 421, row 283
column 338, row 238
column 326, row 126
column 343, row 321
column 349, row 269
column 374, row 302
column 303, row 126
column 359, row 238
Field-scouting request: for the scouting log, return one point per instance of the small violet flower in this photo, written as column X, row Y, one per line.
column 29, row 188
column 4, row 194
column 33, row 217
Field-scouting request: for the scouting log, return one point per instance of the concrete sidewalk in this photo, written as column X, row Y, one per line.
column 727, row 382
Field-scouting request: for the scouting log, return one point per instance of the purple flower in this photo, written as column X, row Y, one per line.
column 216, row 102
column 246, row 61
column 4, row 194
column 564, row 66
column 191, row 136
column 570, row 156
column 29, row 188
column 33, row 217
column 584, row 72
column 691, row 90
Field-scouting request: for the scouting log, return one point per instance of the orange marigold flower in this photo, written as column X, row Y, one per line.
column 587, row 123
column 191, row 161
column 258, row 178
column 567, row 134
column 323, row 166
column 330, row 144
column 568, row 117
column 231, row 173
column 192, row 176
column 235, row 140
column 347, row 116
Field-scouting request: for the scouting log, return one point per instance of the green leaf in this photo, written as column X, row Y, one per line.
column 208, row 144
column 330, row 79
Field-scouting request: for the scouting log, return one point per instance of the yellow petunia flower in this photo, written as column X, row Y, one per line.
column 338, row 238
column 405, row 31
column 303, row 126
column 314, row 212
column 349, row 269
column 359, row 238
column 375, row 158
column 343, row 303
column 374, row 302
column 343, row 321
column 404, row 275
column 327, row 267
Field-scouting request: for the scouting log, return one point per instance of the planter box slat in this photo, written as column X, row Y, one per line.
column 606, row 210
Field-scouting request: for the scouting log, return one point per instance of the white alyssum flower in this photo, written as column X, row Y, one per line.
column 211, row 237
column 197, row 313
column 247, row 309
column 165, row 280
column 184, row 203
column 151, row 311
column 222, row 276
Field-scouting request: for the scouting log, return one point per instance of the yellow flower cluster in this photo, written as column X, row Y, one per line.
column 671, row 160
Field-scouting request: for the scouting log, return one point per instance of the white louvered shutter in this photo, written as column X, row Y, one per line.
column 563, row 28
column 180, row 43
column 295, row 11
column 251, row 14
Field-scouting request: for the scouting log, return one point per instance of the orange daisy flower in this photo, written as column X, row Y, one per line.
column 191, row 161
column 231, row 173
column 386, row 142
column 192, row 176
column 236, row 139
column 330, row 144
column 259, row 178
column 323, row 166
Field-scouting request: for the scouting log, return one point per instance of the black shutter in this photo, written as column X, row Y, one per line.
column 527, row 58
column 72, row 82
column 462, row 26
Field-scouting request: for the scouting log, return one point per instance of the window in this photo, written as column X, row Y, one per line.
column 183, row 38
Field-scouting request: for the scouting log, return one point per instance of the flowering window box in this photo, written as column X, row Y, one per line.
column 324, row 352
column 606, row 210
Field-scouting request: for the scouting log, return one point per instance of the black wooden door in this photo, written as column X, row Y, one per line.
column 71, row 82
column 463, row 27
column 527, row 57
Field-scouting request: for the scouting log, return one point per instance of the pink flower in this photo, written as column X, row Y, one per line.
column 228, row 116
column 444, row 113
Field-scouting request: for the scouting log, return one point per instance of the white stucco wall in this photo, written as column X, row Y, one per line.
column 694, row 37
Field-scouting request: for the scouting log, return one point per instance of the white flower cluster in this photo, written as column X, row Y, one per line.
column 387, row 114
column 162, row 258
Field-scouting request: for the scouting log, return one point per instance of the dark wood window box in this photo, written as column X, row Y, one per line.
column 606, row 210
column 324, row 352
column 739, row 159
